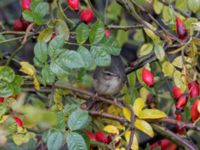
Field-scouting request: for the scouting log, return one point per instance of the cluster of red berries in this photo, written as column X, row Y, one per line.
column 193, row 88
column 87, row 14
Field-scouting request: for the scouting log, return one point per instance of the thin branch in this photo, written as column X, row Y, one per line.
column 180, row 124
column 174, row 137
column 126, row 28
column 27, row 33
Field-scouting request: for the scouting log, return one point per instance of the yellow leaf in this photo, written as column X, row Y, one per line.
column 178, row 80
column 134, row 145
column 151, row 114
column 36, row 83
column 3, row 119
column 138, row 105
column 121, row 148
column 113, row 110
column 168, row 69
column 111, row 129
column 27, row 68
column 144, row 93
column 144, row 127
column 30, row 70
column 127, row 113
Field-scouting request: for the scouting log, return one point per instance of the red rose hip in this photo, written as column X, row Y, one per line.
column 193, row 89
column 147, row 77
column 107, row 32
column 18, row 121
column 101, row 137
column 194, row 110
column 181, row 103
column 87, row 15
column 179, row 118
column 1, row 99
column 176, row 91
column 26, row 4
column 73, row 4
column 180, row 29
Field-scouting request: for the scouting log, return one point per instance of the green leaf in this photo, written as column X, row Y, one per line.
column 58, row 69
column 72, row 59
column 2, row 38
column 194, row 5
column 122, row 36
column 38, row 19
column 41, row 51
column 45, row 35
column 16, row 84
column 3, row 109
column 159, row 51
column 42, row 9
column 157, row 6
column 28, row 16
column 61, row 28
column 6, row 74
column 55, row 46
column 87, row 58
column 82, row 33
column 111, row 46
column 168, row 69
column 78, row 120
column 6, row 90
column 145, row 49
column 75, row 142
column 61, row 121
column 114, row 11
column 47, row 74
column 96, row 33
column 101, row 57
column 55, row 141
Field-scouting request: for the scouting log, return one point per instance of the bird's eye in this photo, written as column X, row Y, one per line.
column 108, row 73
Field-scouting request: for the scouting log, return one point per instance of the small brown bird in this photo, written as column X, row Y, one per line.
column 110, row 80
